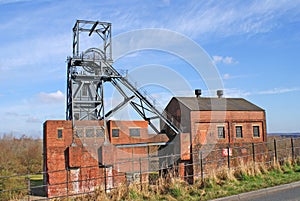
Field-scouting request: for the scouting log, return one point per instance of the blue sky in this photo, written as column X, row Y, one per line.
column 255, row 46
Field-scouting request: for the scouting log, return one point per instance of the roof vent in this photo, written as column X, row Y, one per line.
column 219, row 93
column 198, row 92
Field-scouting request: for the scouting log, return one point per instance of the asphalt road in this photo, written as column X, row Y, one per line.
column 287, row 192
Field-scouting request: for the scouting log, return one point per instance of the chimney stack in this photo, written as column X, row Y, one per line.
column 219, row 93
column 198, row 92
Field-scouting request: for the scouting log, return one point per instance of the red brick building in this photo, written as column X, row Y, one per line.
column 208, row 121
column 217, row 120
column 82, row 157
column 79, row 160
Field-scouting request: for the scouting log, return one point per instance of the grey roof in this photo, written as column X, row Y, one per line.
column 217, row 104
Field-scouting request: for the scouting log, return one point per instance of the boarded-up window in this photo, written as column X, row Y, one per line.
column 134, row 132
column 99, row 132
column 89, row 132
column 79, row 132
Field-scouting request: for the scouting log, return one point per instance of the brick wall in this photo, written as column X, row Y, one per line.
column 89, row 158
column 204, row 126
column 67, row 163
column 124, row 128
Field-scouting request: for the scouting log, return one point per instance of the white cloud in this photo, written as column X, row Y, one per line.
column 224, row 59
column 226, row 76
column 229, row 60
column 279, row 90
column 31, row 112
column 55, row 97
column 233, row 18
column 196, row 18
column 217, row 59
column 234, row 92
column 33, row 54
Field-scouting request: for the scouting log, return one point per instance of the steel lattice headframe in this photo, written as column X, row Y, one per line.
column 88, row 70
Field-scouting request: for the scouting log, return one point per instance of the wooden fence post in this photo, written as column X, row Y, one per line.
column 293, row 151
column 253, row 152
column 141, row 179
column 228, row 157
column 201, row 166
column 28, row 184
column 105, row 182
column 67, row 172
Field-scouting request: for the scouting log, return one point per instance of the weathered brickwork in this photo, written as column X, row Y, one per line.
column 94, row 154
column 213, row 124
column 80, row 161
column 205, row 125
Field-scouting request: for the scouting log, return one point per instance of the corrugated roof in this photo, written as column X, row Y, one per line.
column 218, row 104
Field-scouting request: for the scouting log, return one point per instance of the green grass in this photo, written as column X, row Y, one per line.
column 36, row 180
column 36, row 177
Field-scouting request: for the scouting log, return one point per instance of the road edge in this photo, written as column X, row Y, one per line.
column 256, row 193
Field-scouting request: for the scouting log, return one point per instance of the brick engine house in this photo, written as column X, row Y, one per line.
column 211, row 121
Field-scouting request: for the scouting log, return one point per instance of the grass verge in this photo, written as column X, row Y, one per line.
column 245, row 178
column 223, row 183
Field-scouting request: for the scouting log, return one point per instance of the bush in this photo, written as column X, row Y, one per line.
column 22, row 156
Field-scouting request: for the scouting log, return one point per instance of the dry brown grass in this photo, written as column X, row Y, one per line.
column 172, row 187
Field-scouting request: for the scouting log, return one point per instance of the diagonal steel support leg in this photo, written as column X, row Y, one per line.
column 118, row 107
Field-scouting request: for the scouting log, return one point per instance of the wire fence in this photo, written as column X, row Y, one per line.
column 69, row 182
